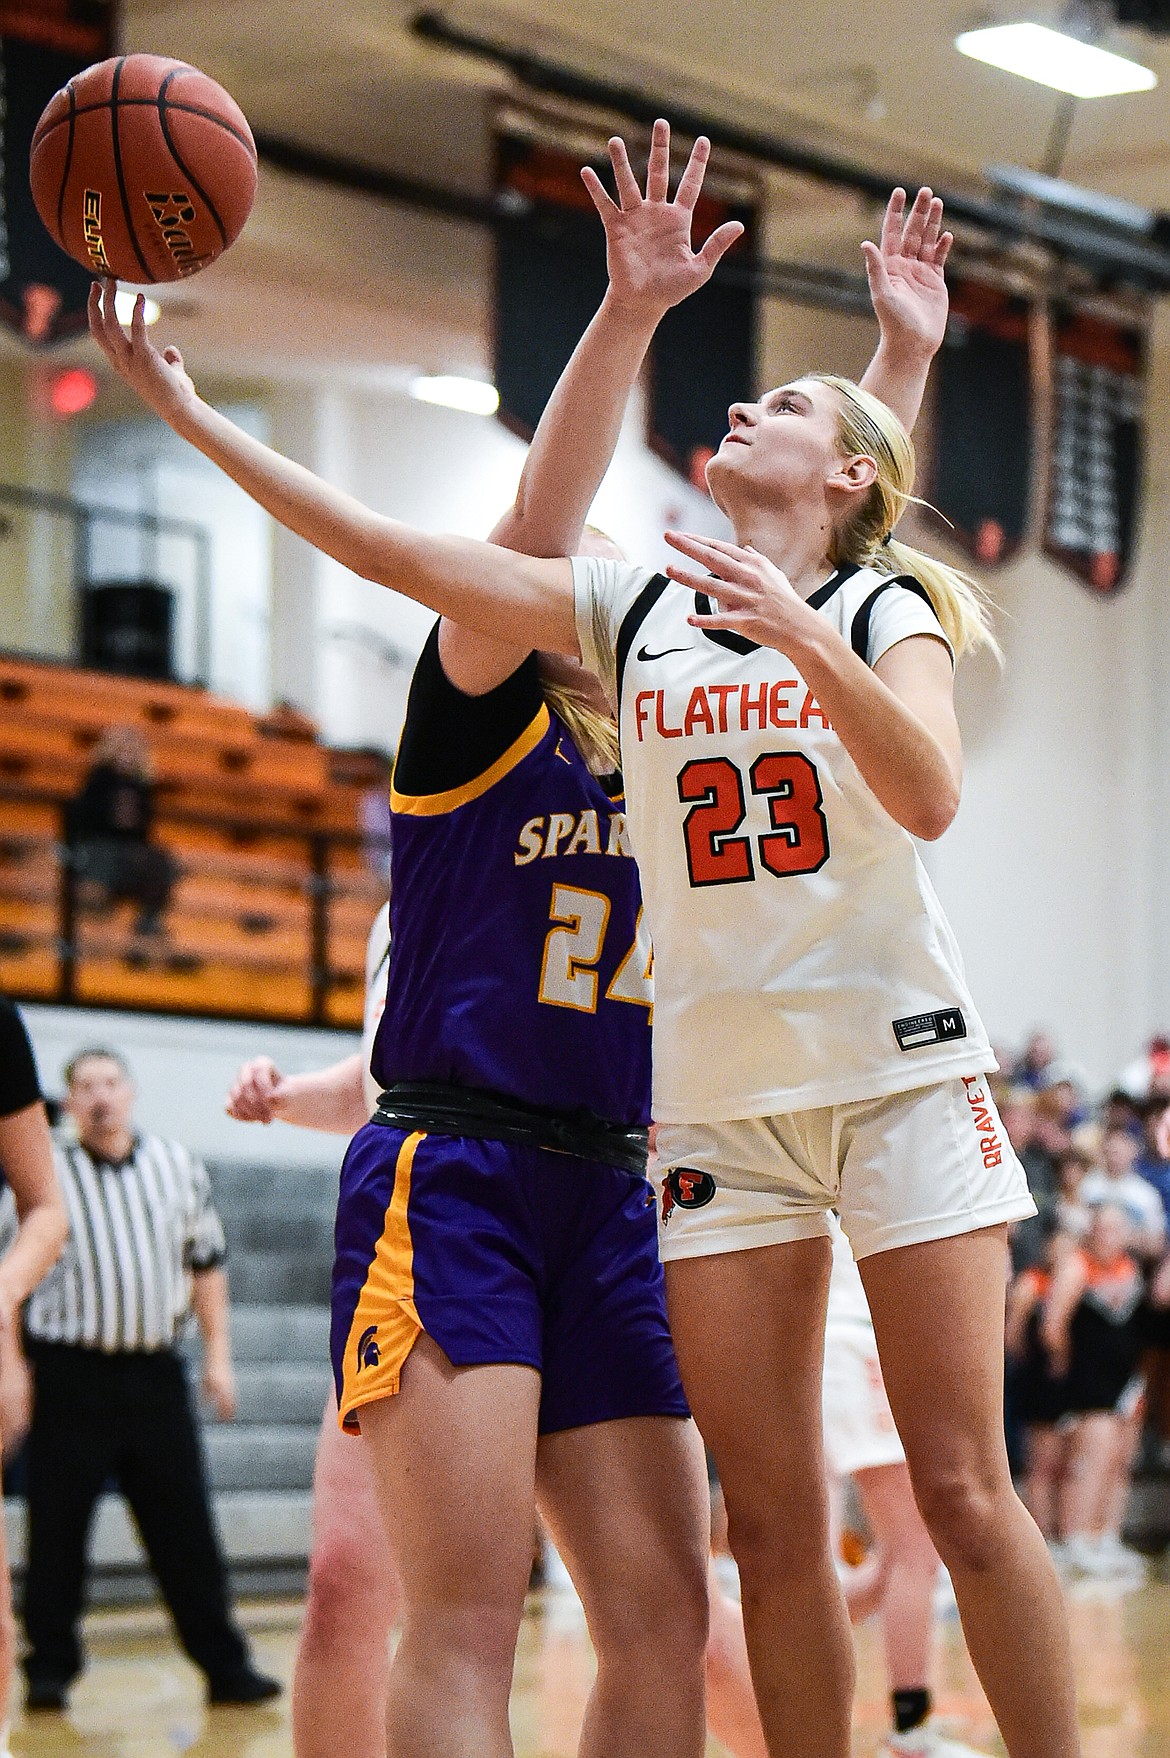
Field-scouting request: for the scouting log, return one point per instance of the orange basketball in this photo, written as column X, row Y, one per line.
column 143, row 168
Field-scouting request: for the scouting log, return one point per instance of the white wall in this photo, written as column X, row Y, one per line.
column 141, row 466
column 442, row 471
column 183, row 1069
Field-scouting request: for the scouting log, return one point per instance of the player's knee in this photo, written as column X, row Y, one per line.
column 963, row 1508
column 665, row 1622
column 774, row 1540
column 347, row 1593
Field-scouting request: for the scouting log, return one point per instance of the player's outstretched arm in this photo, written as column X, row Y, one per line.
column 331, row 1099
column 515, row 598
column 652, row 267
column 909, row 293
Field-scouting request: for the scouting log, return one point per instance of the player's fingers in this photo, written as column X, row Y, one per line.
column 943, row 249
column 875, row 267
column 629, row 195
column 598, row 193
column 138, row 322
column 691, row 181
column 658, row 169
column 705, row 547
column 916, row 223
column 932, row 229
column 892, row 220
column 721, row 241
column 174, row 358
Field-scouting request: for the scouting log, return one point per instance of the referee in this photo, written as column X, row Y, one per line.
column 110, row 1391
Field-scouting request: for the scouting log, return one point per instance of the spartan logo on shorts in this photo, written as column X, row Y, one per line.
column 685, row 1188
column 367, row 1349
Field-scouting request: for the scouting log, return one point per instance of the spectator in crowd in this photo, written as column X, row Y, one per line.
column 1033, row 1062
column 108, row 826
column 1062, row 1096
column 1120, row 1110
column 1070, row 1212
column 111, row 1396
column 1037, row 1393
column 1148, row 1076
column 1018, row 1112
column 32, row 1192
column 1091, row 1331
column 1117, row 1183
column 1152, row 1163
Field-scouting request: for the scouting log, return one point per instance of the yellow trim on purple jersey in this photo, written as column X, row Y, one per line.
column 432, row 805
column 385, row 1324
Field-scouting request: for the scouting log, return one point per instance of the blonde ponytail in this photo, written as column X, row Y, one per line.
column 869, row 429
column 594, row 734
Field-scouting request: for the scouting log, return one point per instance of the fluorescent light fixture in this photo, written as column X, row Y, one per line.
column 469, row 394
column 1050, row 58
column 124, row 306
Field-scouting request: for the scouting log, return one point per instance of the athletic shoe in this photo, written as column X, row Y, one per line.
column 45, row 1694
column 925, row 1742
column 1094, row 1560
column 246, row 1686
column 1123, row 1555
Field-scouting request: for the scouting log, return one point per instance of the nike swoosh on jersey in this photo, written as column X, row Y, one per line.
column 644, row 655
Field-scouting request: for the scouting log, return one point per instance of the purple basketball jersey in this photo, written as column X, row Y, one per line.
column 519, row 959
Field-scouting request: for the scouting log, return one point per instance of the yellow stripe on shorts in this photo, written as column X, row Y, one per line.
column 385, row 1321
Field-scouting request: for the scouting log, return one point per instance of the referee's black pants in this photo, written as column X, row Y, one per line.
column 125, row 1417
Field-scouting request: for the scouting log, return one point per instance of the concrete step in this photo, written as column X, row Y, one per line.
column 292, row 1228
column 277, row 1333
column 278, row 1392
column 261, row 1456
column 247, row 1189
column 269, row 1278
column 265, row 1535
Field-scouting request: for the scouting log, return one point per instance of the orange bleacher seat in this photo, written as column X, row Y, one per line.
column 239, row 802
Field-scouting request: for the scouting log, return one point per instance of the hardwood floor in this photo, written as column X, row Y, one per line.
column 140, row 1699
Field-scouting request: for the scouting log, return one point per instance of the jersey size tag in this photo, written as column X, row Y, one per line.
column 929, row 1028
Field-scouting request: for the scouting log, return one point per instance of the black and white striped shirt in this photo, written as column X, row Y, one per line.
column 136, row 1231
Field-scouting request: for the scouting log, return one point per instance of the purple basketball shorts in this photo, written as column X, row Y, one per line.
column 501, row 1253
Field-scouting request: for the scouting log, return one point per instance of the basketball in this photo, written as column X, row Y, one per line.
column 143, row 168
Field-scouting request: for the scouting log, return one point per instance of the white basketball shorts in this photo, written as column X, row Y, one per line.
column 927, row 1164
column 859, row 1426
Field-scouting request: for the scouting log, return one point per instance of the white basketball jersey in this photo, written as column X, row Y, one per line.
column 377, row 964
column 801, row 956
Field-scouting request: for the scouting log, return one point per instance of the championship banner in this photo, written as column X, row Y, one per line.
column 980, row 474
column 703, row 357
column 550, row 274
column 43, row 43
column 550, row 277
column 1095, row 469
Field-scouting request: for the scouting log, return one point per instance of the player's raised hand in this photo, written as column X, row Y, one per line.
column 754, row 598
column 652, row 265
column 161, row 379
column 255, row 1092
column 905, row 271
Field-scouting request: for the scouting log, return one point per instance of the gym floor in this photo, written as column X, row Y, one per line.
column 140, row 1698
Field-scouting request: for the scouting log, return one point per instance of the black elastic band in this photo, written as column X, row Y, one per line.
column 450, row 1110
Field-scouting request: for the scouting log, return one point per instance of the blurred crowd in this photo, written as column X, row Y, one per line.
column 1088, row 1312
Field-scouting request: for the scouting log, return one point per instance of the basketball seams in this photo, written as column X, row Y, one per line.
column 148, row 272
column 65, row 173
column 169, row 139
column 187, row 108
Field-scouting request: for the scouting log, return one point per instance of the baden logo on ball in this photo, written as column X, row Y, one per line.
column 143, row 169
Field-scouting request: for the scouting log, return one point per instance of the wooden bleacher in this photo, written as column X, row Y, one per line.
column 262, row 820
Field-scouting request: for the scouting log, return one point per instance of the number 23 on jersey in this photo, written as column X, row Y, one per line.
column 798, row 841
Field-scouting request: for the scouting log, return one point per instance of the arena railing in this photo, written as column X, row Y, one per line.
column 250, row 937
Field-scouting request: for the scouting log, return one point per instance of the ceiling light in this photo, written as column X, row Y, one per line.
column 469, row 394
column 124, row 306
column 1050, row 58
